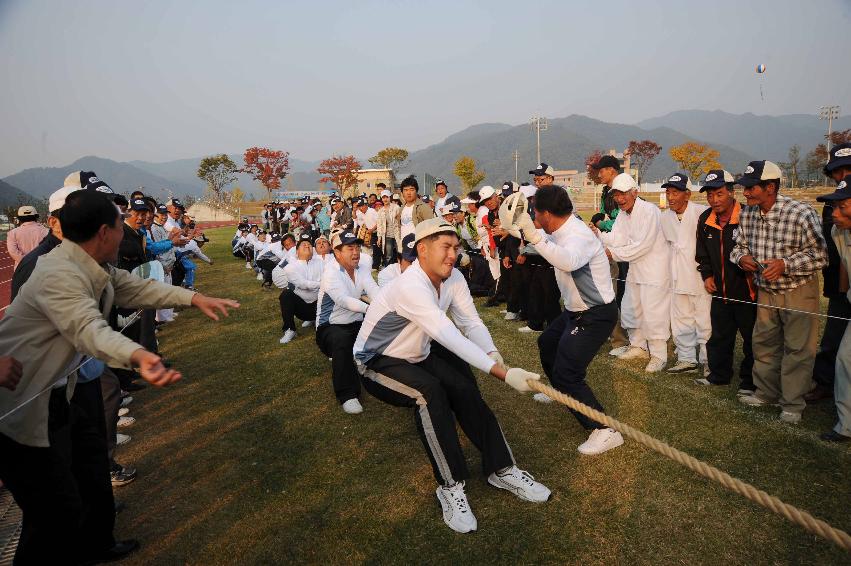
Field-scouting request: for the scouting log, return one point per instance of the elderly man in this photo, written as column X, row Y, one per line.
column 780, row 241
column 637, row 237
column 22, row 240
column 56, row 322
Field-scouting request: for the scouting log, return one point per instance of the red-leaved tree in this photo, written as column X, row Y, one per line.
column 341, row 171
column 641, row 154
column 592, row 159
column 268, row 166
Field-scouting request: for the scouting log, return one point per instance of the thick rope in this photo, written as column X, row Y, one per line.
column 816, row 526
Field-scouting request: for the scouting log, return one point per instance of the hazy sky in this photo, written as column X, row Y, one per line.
column 160, row 80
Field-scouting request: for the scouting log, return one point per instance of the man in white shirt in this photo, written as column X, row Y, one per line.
column 570, row 342
column 304, row 275
column 444, row 197
column 637, row 237
column 339, row 313
column 406, row 258
column 690, row 303
column 412, row 355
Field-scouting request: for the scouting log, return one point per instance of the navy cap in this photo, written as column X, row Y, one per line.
column 261, row 231
column 426, row 198
column 757, row 172
column 679, row 181
column 439, row 182
column 138, row 204
column 88, row 180
column 842, row 192
column 162, row 209
column 409, row 248
column 607, row 161
column 542, row 169
column 305, row 237
column 344, row 239
column 840, row 156
column 717, row 178
column 275, row 237
column 175, row 202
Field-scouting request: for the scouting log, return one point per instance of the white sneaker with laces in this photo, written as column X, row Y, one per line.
column 456, row 510
column 122, row 439
column 123, row 411
column 655, row 365
column 353, row 406
column 288, row 336
column 633, row 353
column 682, row 367
column 521, row 484
column 754, row 401
column 125, row 421
column 790, row 418
column 618, row 351
column 307, row 324
column 125, row 401
column 526, row 330
column 599, row 441
column 511, row 316
column 542, row 398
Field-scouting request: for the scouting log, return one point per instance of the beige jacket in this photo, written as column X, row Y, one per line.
column 421, row 212
column 388, row 223
column 57, row 314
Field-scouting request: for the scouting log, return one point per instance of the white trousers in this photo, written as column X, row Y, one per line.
column 690, row 326
column 165, row 315
column 645, row 314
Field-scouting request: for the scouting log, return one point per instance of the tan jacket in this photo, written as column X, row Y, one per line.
column 57, row 314
column 421, row 212
column 388, row 222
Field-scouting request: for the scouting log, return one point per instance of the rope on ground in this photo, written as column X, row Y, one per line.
column 792, row 513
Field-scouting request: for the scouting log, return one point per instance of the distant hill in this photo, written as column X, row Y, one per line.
column 564, row 146
column 12, row 196
column 122, row 177
column 764, row 137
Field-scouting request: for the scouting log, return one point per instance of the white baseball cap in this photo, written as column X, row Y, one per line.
column 57, row 199
column 386, row 193
column 486, row 192
column 624, row 183
column 528, row 190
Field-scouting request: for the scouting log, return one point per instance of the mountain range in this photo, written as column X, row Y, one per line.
column 738, row 137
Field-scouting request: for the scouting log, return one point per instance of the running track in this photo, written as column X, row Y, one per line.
column 6, row 267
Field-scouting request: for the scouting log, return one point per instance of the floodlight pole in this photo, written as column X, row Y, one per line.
column 516, row 157
column 539, row 124
column 828, row 113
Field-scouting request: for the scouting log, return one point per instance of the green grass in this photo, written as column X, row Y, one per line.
column 250, row 460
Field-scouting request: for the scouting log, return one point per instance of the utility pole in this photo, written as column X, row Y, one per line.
column 516, row 157
column 539, row 124
column 828, row 113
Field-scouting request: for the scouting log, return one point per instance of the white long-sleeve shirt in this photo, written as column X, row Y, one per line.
column 304, row 277
column 681, row 235
column 637, row 237
column 389, row 273
column 409, row 314
column 339, row 296
column 192, row 248
column 582, row 269
column 368, row 218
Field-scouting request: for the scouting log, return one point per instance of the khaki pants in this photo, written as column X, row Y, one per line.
column 842, row 384
column 785, row 345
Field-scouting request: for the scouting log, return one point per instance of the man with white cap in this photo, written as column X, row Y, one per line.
column 637, row 237
column 388, row 227
column 488, row 201
column 780, row 241
column 412, row 355
column 339, row 313
column 690, row 303
column 22, row 240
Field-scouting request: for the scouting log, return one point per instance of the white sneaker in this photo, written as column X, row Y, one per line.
column 125, row 421
column 511, row 316
column 353, row 406
column 706, row 371
column 618, row 351
column 633, row 353
column 521, row 484
column 123, row 411
column 682, row 367
column 754, row 401
column 288, row 336
column 600, row 440
column 744, row 392
column 655, row 365
column 260, row 277
column 456, row 510
column 542, row 398
column 247, row 265
column 503, row 311
column 122, row 439
column 790, row 418
column 526, row 330
column 307, row 324
column 125, row 401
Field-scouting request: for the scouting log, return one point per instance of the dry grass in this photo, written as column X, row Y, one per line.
column 250, row 460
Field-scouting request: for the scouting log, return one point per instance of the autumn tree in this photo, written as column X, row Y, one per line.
column 695, row 158
column 268, row 166
column 218, row 171
column 590, row 161
column 641, row 154
column 341, row 170
column 791, row 168
column 465, row 169
column 390, row 157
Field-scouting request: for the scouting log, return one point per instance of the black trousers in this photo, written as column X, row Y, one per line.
column 266, row 266
column 442, row 388
column 481, row 282
column 336, row 341
column 64, row 490
column 516, row 289
column 727, row 319
column 542, row 305
column 825, row 366
column 110, row 389
column 568, row 345
column 294, row 306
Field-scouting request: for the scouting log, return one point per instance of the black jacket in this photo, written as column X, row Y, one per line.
column 712, row 254
column 830, row 273
column 27, row 264
column 131, row 251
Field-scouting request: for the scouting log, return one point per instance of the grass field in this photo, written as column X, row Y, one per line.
column 249, row 460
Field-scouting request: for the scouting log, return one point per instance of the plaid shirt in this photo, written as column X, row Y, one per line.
column 791, row 231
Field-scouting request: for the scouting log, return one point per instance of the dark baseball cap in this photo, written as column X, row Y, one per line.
column 409, row 248
column 344, row 239
column 138, row 204
column 542, row 169
column 717, row 178
column 757, row 172
column 305, row 237
column 607, row 161
column 840, row 156
column 439, row 182
column 842, row 192
column 679, row 181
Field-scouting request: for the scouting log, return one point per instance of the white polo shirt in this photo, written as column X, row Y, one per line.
column 304, row 277
column 339, row 296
